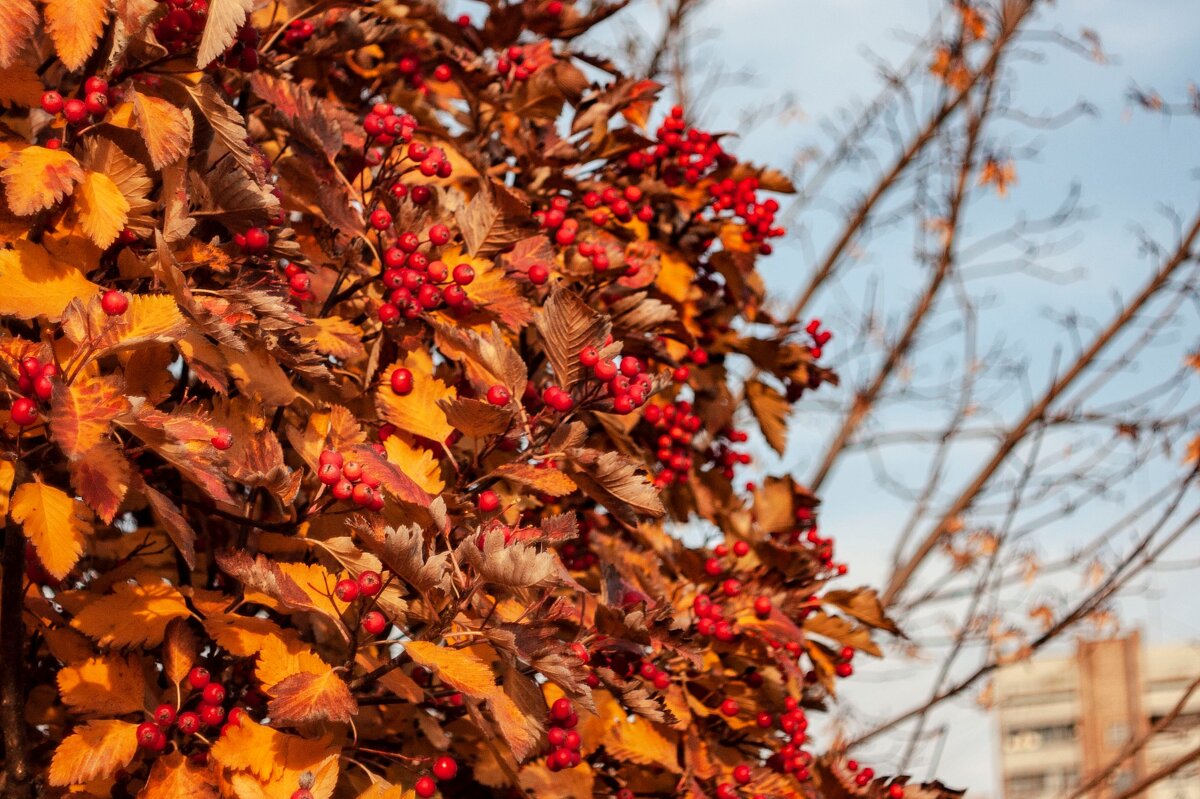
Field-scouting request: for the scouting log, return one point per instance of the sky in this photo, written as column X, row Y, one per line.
column 1130, row 165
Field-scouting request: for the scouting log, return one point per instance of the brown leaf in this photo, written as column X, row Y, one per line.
column 307, row 697
column 169, row 516
column 546, row 479
column 180, row 650
column 101, row 477
column 308, row 116
column 494, row 219
column 511, row 564
column 616, row 482
column 403, row 550
column 771, row 409
column 475, row 418
column 224, row 19
column 165, row 127
column 567, row 324
column 18, row 18
column 864, row 605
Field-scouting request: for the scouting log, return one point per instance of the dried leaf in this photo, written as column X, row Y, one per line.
column 180, row 650
column 771, row 409
column 494, row 219
column 616, row 482
column 514, row 565
column 224, row 19
column 101, row 477
column 18, row 18
column 567, row 324
column 544, row 479
column 165, row 127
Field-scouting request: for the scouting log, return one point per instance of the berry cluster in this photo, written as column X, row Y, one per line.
column 385, row 126
column 298, row 32
column 682, row 154
column 758, row 218
column 629, row 385
column 365, row 588
column 180, row 29
column 819, row 337
column 254, row 241
column 414, row 71
column 674, row 428
column 620, row 204
column 97, row 96
column 34, row 383
column 554, row 219
column 209, row 712
column 576, row 554
column 711, row 622
column 791, row 758
column 516, row 65
column 444, row 768
column 807, row 534
column 299, row 283
column 563, row 737
column 417, row 284
column 347, row 480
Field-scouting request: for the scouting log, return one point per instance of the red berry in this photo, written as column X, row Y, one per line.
column 213, row 693
column 561, row 709
column 464, row 274
column 95, row 84
column 762, row 606
column 425, row 787
column 75, row 111
column 164, row 715
column 329, row 474
column 730, row 707
column 442, row 72
column 741, row 774
column 844, row 669
column 896, row 791
column 489, row 501
column 589, row 356
column 256, row 240
column 346, row 590
column 741, row 548
column 24, row 411
column 381, row 219
column 114, row 302
column 52, row 102
column 630, row 366
column 605, row 370
column 188, row 722
column 444, row 768
column 439, row 235
column 302, row 793
column 374, row 622
column 369, row 583
column 96, row 103
column 147, row 733
column 498, row 395
column 539, row 274
column 212, row 715
column 198, row 677
column 223, row 440
column 402, row 381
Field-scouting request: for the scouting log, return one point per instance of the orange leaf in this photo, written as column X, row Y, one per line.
column 37, row 178
column 94, row 751
column 111, row 684
column 75, row 26
column 102, row 208
column 101, row 477
column 458, row 668
column 307, row 697
column 54, row 522
column 416, row 462
column 416, row 412
column 280, row 658
column 18, row 18
column 166, row 128
column 80, row 414
column 173, row 776
column 32, row 284
column 132, row 615
column 274, row 758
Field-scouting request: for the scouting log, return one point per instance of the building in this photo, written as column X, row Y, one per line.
column 1064, row 719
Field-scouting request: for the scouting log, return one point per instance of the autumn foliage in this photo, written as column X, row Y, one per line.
column 372, row 378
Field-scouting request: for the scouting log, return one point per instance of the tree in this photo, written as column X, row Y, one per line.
column 359, row 360
column 983, row 439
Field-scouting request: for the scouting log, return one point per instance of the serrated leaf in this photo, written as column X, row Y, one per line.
column 616, row 482
column 637, row 740
column 226, row 123
column 101, row 477
column 545, row 479
column 172, row 776
column 403, row 550
column 224, row 19
column 476, row 418
column 132, row 615
column 165, row 127
column 55, row 524
column 336, row 336
column 771, row 410
column 81, row 413
column 487, row 356
column 291, row 586
column 104, row 155
column 307, row 697
column 494, row 219
column 416, row 462
column 33, row 284
column 94, row 750
column 102, row 209
column 311, row 118
column 458, row 668
column 417, row 412
column 513, row 565
column 18, row 18
column 567, row 324
column 276, row 760
column 36, row 178
column 75, row 27
column 180, row 650
column 180, row 532
column 110, row 684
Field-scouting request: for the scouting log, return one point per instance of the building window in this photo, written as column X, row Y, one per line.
column 1030, row 739
column 1026, row 785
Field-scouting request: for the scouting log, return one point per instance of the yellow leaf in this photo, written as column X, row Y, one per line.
column 268, row 755
column 75, row 26
column 492, row 290
column 80, row 413
column 416, row 412
column 106, row 156
column 133, row 615
column 639, row 741
column 243, row 636
column 94, row 751
column 102, row 209
column 172, row 776
column 416, row 462
column 37, row 177
column 31, row 284
column 676, row 277
column 166, row 128
column 572, row 783
column 224, row 19
column 54, row 522
column 113, row 685
column 7, row 473
column 18, row 18
column 458, row 668
column 150, row 319
column 279, row 659
column 336, row 336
